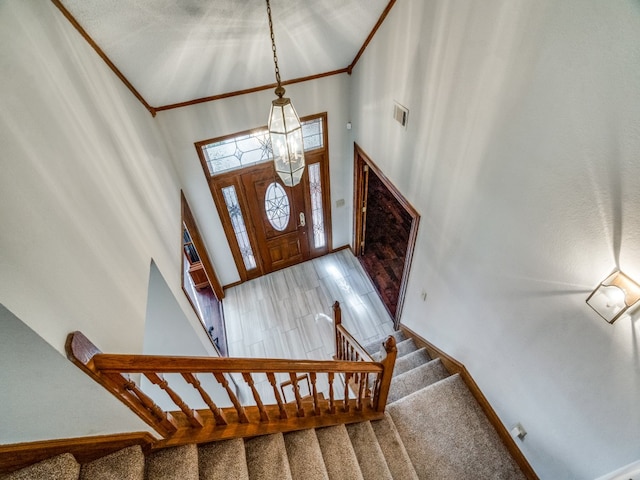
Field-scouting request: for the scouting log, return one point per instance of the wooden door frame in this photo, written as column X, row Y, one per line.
column 232, row 177
column 189, row 223
column 361, row 159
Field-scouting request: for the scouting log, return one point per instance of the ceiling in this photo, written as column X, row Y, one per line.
column 175, row 51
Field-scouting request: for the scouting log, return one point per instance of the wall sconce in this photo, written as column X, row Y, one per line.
column 614, row 296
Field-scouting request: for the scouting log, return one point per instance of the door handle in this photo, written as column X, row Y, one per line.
column 302, row 220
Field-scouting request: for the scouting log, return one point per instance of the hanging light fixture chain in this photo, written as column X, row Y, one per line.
column 273, row 46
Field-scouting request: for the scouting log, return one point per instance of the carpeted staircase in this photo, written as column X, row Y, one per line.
column 433, row 429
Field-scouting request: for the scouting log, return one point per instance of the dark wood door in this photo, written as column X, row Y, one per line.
column 279, row 216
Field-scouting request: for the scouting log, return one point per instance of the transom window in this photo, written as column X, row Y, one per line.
column 254, row 147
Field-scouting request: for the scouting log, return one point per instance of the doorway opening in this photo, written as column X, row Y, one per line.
column 200, row 282
column 385, row 230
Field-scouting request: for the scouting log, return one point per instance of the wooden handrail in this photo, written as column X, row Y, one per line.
column 347, row 347
column 119, row 363
column 365, row 382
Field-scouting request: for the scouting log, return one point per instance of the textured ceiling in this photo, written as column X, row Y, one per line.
column 174, row 51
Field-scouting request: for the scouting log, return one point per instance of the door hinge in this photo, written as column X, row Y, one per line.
column 364, row 209
column 366, row 168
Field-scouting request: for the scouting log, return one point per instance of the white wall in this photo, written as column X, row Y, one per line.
column 88, row 194
column 522, row 156
column 168, row 331
column 44, row 396
column 184, row 126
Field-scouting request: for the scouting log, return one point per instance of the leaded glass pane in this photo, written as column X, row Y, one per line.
column 237, row 152
column 255, row 147
column 317, row 217
column 276, row 205
column 239, row 227
column 312, row 134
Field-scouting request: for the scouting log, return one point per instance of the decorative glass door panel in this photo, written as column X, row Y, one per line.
column 276, row 212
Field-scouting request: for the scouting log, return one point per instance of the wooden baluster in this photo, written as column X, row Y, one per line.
column 314, row 389
column 272, row 380
column 352, row 352
column 332, row 406
column 361, row 388
column 347, row 377
column 263, row 412
column 192, row 415
column 367, row 392
column 217, row 413
column 337, row 320
column 388, row 361
column 376, row 389
column 222, row 380
column 296, row 391
column 164, row 419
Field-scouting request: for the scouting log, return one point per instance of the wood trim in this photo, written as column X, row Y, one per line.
column 84, row 449
column 234, row 284
column 371, row 35
column 249, row 90
column 361, row 158
column 191, row 225
column 103, row 56
column 454, row 366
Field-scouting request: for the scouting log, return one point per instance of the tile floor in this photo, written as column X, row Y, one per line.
column 288, row 313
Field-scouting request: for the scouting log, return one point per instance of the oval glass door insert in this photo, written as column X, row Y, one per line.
column 276, row 205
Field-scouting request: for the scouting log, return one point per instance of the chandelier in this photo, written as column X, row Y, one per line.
column 285, row 130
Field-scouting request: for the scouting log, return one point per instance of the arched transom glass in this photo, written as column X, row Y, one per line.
column 276, row 205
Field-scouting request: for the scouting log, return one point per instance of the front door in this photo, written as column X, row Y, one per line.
column 279, row 217
column 270, row 226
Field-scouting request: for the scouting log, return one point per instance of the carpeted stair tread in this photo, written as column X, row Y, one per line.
column 305, row 456
column 393, row 449
column 125, row 464
column 267, row 458
column 405, row 347
column 448, row 437
column 224, row 460
column 60, row 467
column 173, row 463
column 410, row 361
column 415, row 379
column 374, row 347
column 368, row 452
column 338, row 454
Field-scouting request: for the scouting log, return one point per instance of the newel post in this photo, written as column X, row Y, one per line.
column 388, row 361
column 337, row 320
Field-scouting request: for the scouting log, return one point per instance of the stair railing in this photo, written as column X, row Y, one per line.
column 365, row 389
column 348, row 349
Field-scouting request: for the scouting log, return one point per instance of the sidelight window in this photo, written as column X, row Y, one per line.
column 239, row 227
column 317, row 217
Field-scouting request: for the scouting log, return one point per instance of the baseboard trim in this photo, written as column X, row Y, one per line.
column 454, row 366
column 84, row 449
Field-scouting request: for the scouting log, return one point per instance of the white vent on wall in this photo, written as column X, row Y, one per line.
column 400, row 114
